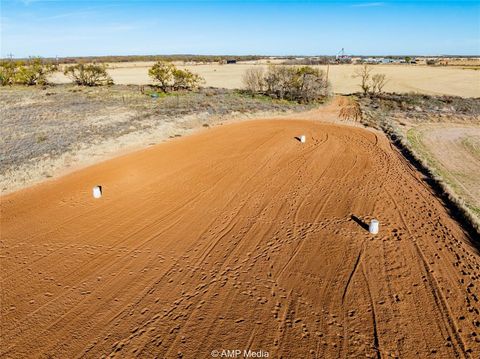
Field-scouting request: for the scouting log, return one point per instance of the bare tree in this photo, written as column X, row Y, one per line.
column 364, row 73
column 253, row 80
column 295, row 83
column 378, row 83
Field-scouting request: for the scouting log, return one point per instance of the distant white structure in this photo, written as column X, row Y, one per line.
column 97, row 191
column 374, row 226
column 303, row 138
column 341, row 56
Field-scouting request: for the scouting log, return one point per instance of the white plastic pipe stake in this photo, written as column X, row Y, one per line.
column 374, row 226
column 303, row 138
column 97, row 191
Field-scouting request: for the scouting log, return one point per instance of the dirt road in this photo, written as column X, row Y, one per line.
column 239, row 237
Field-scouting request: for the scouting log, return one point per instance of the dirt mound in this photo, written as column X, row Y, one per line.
column 239, row 238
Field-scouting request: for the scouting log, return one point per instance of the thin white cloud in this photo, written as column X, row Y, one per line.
column 369, row 4
column 68, row 14
column 90, row 11
column 28, row 2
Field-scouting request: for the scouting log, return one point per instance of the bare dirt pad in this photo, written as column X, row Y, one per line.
column 240, row 238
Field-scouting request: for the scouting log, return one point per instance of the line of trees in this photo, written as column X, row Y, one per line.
column 140, row 58
column 296, row 83
column 35, row 72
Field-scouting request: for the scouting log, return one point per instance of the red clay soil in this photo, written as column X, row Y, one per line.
column 239, row 238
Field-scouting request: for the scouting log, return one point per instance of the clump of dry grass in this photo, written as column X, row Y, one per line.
column 350, row 110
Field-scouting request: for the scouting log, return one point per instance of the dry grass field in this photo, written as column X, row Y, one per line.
column 453, row 151
column 454, row 81
column 443, row 132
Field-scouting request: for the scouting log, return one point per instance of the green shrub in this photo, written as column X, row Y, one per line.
column 162, row 73
column 7, row 73
column 33, row 72
column 169, row 77
column 185, row 80
column 89, row 74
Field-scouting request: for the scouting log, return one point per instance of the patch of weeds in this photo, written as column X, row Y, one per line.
column 472, row 146
column 41, row 138
column 475, row 210
column 160, row 94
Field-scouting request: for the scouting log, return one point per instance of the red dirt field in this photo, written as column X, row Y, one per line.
column 239, row 237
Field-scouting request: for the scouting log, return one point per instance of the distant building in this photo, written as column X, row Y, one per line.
column 231, row 61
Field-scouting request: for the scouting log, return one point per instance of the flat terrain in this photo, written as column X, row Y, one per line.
column 239, row 237
column 453, row 151
column 455, row 81
column 47, row 131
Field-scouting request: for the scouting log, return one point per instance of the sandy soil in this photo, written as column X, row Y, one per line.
column 402, row 78
column 44, row 132
column 454, row 151
column 239, row 237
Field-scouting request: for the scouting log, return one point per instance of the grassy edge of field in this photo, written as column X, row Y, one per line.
column 414, row 138
column 465, row 214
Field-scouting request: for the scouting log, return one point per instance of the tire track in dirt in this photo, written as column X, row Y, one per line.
column 241, row 237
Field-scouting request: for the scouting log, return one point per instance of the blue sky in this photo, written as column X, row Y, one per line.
column 81, row 28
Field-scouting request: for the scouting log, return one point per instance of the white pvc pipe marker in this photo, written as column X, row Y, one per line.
column 374, row 226
column 97, row 191
column 303, row 138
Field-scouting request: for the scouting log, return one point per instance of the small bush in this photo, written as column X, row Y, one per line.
column 7, row 73
column 161, row 72
column 296, row 83
column 33, row 72
column 88, row 74
column 169, row 77
column 185, row 80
